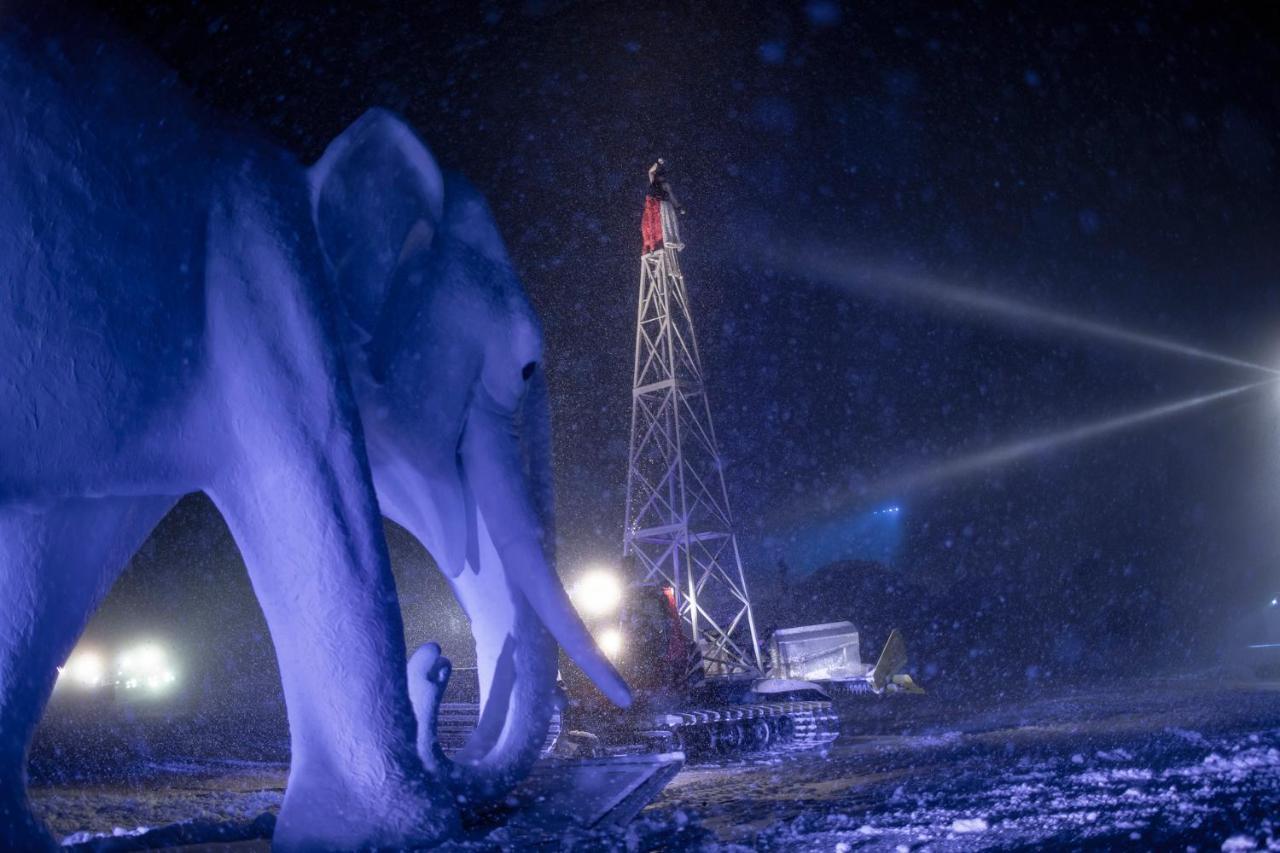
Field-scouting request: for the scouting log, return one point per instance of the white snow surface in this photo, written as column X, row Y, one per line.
column 1161, row 765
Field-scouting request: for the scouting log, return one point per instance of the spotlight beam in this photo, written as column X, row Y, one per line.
column 1023, row 448
column 861, row 277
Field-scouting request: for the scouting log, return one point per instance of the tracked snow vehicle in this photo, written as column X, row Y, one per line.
column 677, row 706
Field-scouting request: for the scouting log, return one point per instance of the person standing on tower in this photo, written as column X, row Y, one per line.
column 659, row 227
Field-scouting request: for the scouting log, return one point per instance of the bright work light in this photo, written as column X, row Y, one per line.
column 146, row 665
column 610, row 642
column 84, row 669
column 597, row 593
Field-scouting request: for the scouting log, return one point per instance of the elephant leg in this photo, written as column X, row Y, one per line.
column 55, row 566
column 308, row 527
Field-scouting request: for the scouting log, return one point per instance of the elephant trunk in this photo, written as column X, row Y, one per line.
column 507, row 470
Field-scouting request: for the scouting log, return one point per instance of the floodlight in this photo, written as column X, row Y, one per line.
column 597, row 593
column 610, row 642
column 85, row 669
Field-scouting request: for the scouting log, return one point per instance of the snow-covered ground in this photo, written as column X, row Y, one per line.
column 1152, row 765
column 1168, row 764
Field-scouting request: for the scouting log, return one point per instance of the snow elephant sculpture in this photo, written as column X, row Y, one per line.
column 185, row 308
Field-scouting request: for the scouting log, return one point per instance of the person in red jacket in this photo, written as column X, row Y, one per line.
column 659, row 226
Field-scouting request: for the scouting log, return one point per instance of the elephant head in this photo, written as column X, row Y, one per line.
column 445, row 354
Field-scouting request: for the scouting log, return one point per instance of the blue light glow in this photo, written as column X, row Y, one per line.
column 874, row 535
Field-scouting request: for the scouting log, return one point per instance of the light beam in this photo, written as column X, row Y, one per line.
column 851, row 275
column 1023, row 448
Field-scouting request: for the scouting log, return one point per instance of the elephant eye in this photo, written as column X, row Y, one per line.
column 528, row 370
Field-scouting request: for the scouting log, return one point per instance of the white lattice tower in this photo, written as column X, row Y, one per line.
column 679, row 530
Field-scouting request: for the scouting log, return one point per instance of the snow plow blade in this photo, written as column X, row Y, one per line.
column 592, row 792
column 892, row 661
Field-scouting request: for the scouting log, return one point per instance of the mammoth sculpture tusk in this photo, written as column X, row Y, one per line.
column 493, row 466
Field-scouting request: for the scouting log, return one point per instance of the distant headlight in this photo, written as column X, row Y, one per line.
column 597, row 593
column 84, row 669
column 610, row 642
column 145, row 666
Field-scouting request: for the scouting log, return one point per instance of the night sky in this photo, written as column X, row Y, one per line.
column 1116, row 163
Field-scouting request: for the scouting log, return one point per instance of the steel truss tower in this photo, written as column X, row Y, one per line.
column 679, row 531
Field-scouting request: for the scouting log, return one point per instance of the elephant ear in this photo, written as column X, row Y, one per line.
column 376, row 193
